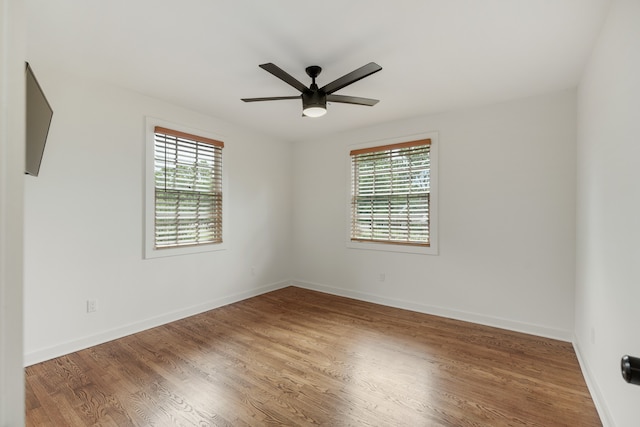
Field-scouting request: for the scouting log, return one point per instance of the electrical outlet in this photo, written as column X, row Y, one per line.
column 381, row 277
column 92, row 306
column 253, row 270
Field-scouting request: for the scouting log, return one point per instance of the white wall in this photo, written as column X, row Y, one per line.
column 608, row 202
column 84, row 222
column 12, row 81
column 507, row 219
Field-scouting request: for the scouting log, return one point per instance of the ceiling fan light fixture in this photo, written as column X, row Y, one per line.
column 314, row 111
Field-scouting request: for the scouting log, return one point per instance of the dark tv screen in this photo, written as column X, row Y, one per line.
column 38, row 120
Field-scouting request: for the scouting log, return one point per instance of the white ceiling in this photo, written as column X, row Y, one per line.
column 436, row 55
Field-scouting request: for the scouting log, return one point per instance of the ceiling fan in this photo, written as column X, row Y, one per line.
column 314, row 99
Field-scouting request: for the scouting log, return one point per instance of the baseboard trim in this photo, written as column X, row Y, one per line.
column 594, row 389
column 110, row 335
column 527, row 328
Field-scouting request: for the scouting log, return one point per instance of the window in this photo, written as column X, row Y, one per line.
column 391, row 195
column 187, row 177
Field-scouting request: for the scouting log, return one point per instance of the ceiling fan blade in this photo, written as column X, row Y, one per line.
column 283, row 75
column 270, row 98
column 352, row 100
column 352, row 77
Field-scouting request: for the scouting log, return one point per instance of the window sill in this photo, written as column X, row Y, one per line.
column 151, row 252
column 389, row 247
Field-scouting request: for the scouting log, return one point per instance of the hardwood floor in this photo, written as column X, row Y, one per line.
column 297, row 357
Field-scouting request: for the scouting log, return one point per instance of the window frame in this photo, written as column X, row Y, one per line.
column 432, row 249
column 150, row 251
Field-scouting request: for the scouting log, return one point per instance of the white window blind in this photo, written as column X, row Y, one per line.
column 188, row 189
column 390, row 193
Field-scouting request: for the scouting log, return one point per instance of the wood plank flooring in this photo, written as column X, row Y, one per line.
column 295, row 357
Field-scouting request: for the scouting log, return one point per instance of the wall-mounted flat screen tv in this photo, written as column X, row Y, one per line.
column 38, row 119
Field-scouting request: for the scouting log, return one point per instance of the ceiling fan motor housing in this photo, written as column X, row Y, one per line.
column 314, row 97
